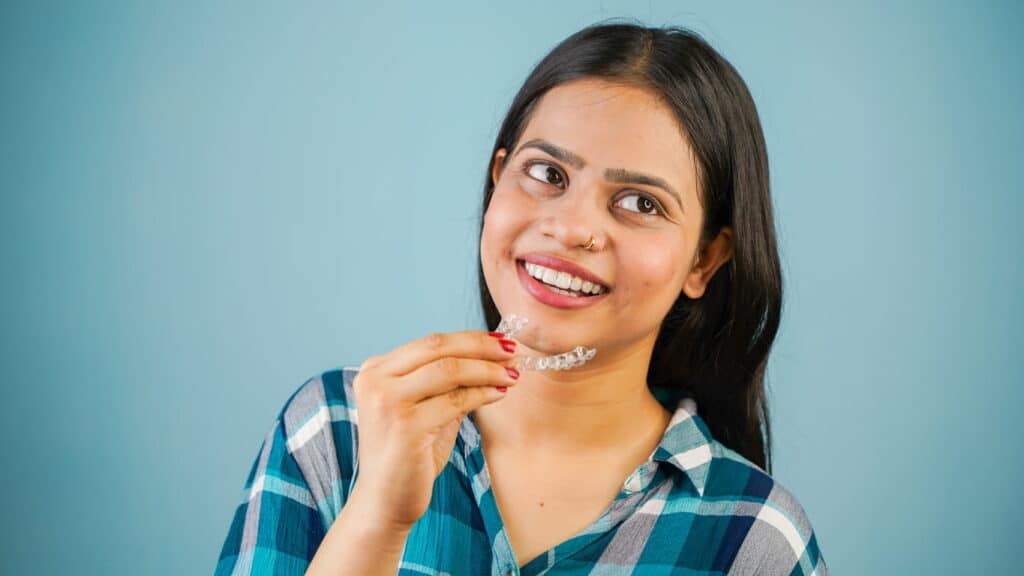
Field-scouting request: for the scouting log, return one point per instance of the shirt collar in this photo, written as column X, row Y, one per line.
column 686, row 444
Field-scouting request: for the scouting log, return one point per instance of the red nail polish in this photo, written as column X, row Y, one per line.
column 512, row 372
column 502, row 388
column 496, row 334
column 508, row 345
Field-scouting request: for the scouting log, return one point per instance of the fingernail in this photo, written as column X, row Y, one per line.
column 512, row 372
column 508, row 345
column 502, row 388
column 496, row 334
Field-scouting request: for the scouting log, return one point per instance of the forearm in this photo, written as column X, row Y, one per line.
column 357, row 545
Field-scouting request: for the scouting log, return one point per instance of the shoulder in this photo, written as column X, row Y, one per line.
column 772, row 529
column 318, row 425
column 324, row 397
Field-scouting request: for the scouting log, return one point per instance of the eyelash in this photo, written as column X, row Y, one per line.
column 659, row 211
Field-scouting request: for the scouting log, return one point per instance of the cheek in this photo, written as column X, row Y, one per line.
column 656, row 269
column 496, row 242
column 494, row 230
column 502, row 222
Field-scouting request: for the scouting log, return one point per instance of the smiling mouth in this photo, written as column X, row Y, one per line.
column 562, row 282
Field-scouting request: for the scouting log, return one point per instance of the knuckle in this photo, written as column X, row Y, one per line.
column 358, row 383
column 448, row 366
column 434, row 341
column 369, row 363
column 376, row 403
column 458, row 398
column 368, row 396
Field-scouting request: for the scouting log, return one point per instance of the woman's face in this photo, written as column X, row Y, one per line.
column 608, row 162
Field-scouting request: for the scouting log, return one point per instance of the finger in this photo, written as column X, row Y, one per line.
column 448, row 373
column 463, row 344
column 437, row 411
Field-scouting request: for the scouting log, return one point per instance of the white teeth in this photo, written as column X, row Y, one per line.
column 564, row 281
column 562, row 292
column 549, row 276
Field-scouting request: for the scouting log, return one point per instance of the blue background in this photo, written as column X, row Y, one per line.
column 204, row 205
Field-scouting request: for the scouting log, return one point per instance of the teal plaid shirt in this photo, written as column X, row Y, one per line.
column 695, row 507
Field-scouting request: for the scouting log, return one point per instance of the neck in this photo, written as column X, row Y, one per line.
column 590, row 409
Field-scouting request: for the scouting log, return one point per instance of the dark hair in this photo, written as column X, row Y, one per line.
column 715, row 348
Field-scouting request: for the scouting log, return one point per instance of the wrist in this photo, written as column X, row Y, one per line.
column 364, row 518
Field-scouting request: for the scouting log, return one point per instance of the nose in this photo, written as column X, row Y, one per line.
column 571, row 221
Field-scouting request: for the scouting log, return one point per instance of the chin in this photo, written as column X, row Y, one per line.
column 549, row 342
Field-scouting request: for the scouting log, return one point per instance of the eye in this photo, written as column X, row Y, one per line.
column 545, row 173
column 641, row 204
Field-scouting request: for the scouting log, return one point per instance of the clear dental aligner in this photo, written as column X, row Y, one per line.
column 565, row 361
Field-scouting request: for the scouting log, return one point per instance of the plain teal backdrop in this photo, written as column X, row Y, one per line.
column 203, row 205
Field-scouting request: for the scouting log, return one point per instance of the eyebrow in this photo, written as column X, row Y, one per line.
column 617, row 175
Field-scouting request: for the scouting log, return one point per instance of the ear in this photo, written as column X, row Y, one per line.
column 497, row 165
column 716, row 253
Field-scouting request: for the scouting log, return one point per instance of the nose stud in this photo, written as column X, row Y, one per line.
column 590, row 244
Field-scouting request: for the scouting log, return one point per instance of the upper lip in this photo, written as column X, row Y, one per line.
column 564, row 266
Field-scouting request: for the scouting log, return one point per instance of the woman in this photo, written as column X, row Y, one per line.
column 633, row 159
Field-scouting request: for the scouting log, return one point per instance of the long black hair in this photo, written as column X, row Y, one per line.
column 715, row 348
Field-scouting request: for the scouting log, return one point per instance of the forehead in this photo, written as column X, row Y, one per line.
column 615, row 126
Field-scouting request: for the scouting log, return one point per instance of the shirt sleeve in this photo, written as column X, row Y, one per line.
column 276, row 528
column 298, row 483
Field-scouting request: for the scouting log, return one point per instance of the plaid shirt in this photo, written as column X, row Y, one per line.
column 695, row 507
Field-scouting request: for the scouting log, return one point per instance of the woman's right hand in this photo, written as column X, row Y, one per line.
column 411, row 402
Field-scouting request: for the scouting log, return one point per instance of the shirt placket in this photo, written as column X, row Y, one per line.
column 504, row 562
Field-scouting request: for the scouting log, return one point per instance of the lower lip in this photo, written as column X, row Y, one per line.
column 545, row 296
